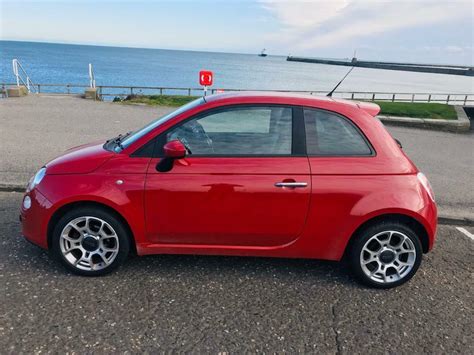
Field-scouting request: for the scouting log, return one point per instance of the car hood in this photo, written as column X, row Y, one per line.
column 82, row 159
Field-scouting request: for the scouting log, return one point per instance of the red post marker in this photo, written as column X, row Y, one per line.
column 205, row 79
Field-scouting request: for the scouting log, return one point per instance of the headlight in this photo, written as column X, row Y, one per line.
column 27, row 202
column 36, row 179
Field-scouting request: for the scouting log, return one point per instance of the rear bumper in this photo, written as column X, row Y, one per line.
column 34, row 220
column 430, row 221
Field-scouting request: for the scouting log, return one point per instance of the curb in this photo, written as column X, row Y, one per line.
column 461, row 125
column 455, row 221
column 442, row 219
column 12, row 188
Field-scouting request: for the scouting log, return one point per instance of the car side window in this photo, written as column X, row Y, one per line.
column 252, row 131
column 329, row 134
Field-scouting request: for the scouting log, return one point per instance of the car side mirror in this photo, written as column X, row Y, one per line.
column 174, row 150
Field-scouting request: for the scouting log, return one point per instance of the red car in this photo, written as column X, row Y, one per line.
column 257, row 174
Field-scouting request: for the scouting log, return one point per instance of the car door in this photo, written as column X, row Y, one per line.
column 244, row 182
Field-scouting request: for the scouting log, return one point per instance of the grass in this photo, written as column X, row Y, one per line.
column 401, row 109
column 159, row 100
column 417, row 109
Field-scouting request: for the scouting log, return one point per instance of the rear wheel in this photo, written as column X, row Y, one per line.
column 386, row 254
column 90, row 241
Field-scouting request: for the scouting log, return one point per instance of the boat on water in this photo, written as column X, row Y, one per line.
column 262, row 53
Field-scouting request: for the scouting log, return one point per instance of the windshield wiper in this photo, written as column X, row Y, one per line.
column 118, row 140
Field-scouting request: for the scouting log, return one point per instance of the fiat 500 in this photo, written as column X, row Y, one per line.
column 249, row 174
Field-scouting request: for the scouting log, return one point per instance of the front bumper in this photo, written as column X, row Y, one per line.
column 34, row 220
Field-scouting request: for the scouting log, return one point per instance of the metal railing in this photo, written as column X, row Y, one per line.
column 110, row 91
column 91, row 76
column 18, row 71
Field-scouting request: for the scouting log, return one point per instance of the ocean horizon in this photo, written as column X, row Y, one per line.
column 52, row 63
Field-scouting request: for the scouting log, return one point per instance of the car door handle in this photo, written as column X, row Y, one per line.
column 291, row 184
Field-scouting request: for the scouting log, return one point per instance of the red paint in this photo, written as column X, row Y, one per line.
column 174, row 149
column 230, row 205
column 206, row 78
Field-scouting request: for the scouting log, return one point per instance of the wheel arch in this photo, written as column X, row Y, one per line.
column 61, row 211
column 410, row 221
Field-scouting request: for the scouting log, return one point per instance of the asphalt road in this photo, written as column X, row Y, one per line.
column 35, row 129
column 229, row 304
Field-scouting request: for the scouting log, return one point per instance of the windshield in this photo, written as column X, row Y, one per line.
column 129, row 139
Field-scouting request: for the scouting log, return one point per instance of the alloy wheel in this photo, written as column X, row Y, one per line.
column 388, row 257
column 89, row 243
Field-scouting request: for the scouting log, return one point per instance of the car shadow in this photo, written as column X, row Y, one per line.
column 217, row 267
column 209, row 267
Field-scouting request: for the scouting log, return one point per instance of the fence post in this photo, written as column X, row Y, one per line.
column 189, row 92
column 352, row 96
column 68, row 89
column 429, row 98
column 465, row 100
column 39, row 88
column 161, row 91
column 373, row 96
column 131, row 90
column 413, row 98
column 447, row 99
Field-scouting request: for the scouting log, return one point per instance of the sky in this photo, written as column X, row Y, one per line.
column 428, row 31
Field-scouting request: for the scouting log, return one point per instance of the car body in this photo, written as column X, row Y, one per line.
column 259, row 184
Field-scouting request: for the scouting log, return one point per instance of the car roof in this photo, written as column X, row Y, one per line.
column 289, row 98
column 275, row 96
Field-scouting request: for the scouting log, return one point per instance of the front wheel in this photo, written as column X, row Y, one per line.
column 90, row 241
column 386, row 255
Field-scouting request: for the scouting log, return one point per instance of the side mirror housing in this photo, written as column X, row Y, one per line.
column 174, row 150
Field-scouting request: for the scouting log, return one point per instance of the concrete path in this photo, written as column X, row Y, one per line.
column 35, row 129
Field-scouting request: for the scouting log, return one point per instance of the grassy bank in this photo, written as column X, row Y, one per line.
column 417, row 109
column 400, row 109
column 159, row 100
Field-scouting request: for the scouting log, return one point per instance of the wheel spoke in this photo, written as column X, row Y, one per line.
column 87, row 226
column 406, row 250
column 71, row 240
column 372, row 254
column 406, row 263
column 108, row 250
column 103, row 257
column 383, row 239
column 85, row 257
column 378, row 270
column 73, row 247
column 105, row 236
column 390, row 235
column 76, row 228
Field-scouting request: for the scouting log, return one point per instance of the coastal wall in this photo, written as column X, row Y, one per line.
column 422, row 68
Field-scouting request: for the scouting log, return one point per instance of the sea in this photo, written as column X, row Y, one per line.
column 48, row 63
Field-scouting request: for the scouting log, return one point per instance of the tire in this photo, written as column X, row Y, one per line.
column 385, row 255
column 90, row 241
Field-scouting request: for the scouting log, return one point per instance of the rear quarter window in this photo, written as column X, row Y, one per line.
column 330, row 134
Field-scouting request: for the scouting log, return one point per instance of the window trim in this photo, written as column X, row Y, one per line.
column 297, row 131
column 373, row 152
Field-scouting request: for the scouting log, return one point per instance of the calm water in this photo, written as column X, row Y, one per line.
column 60, row 63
